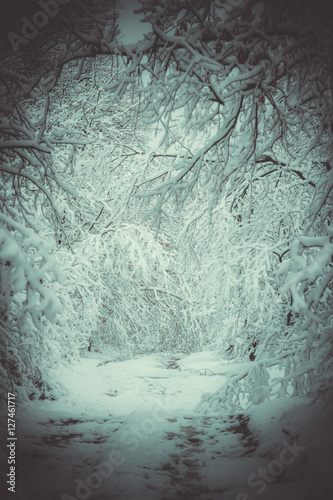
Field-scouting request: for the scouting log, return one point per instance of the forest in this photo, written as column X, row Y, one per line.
column 168, row 196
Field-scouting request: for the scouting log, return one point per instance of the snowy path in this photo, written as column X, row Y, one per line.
column 128, row 430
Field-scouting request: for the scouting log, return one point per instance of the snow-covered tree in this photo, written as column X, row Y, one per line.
column 240, row 94
column 243, row 94
column 35, row 154
column 68, row 172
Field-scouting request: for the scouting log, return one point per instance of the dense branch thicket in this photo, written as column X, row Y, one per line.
column 241, row 182
column 36, row 155
column 244, row 94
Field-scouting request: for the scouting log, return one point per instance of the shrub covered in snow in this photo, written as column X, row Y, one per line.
column 32, row 341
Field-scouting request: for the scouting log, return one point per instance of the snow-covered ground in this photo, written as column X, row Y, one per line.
column 128, row 430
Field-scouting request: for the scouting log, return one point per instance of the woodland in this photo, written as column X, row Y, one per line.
column 173, row 194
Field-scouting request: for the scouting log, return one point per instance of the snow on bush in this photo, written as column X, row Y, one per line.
column 128, row 294
column 32, row 341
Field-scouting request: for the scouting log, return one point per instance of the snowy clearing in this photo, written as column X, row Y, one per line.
column 129, row 430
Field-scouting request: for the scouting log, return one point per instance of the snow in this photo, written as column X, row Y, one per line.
column 128, row 429
column 146, row 379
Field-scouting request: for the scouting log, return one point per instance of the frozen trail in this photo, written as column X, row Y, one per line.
column 128, row 430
